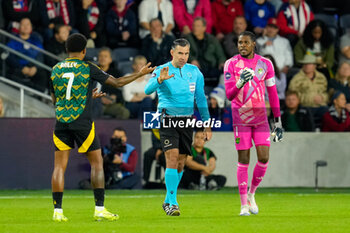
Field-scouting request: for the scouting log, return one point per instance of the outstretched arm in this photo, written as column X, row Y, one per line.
column 120, row 82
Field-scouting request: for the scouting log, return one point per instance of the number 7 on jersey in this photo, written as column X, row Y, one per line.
column 70, row 83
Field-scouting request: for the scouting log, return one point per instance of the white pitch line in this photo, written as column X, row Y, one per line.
column 91, row 196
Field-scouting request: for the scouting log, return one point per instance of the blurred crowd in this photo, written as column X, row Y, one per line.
column 308, row 42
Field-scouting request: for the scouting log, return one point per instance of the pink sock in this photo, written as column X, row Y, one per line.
column 242, row 178
column 258, row 175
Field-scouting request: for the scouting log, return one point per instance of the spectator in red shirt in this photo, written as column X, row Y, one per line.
column 224, row 13
column 337, row 118
column 185, row 11
column 293, row 18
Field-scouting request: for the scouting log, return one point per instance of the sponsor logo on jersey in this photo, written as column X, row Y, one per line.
column 238, row 140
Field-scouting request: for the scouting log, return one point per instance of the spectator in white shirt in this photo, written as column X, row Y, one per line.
column 272, row 43
column 150, row 9
column 134, row 95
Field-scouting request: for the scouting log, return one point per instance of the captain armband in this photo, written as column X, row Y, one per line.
column 270, row 82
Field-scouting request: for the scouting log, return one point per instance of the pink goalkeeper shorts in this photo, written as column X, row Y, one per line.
column 244, row 135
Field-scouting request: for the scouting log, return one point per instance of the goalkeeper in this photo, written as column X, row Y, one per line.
column 246, row 77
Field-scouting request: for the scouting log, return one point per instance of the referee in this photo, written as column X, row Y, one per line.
column 176, row 93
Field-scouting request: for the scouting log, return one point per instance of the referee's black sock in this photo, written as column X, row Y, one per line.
column 99, row 197
column 57, row 199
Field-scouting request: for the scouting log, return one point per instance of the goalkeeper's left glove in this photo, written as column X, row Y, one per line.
column 277, row 132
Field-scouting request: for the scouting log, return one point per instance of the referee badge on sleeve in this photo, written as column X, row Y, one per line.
column 192, row 87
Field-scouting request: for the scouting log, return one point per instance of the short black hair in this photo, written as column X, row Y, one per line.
column 76, row 43
column 250, row 34
column 180, row 42
column 103, row 49
column 290, row 92
column 56, row 29
column 155, row 19
column 202, row 20
column 119, row 129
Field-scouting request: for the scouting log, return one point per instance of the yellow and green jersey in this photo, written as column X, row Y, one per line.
column 72, row 84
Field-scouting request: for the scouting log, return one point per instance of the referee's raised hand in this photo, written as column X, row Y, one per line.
column 164, row 74
column 147, row 69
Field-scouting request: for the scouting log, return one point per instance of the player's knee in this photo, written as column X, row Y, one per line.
column 59, row 168
column 243, row 159
column 172, row 158
column 264, row 159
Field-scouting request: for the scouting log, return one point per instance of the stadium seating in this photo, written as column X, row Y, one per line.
column 125, row 67
column 122, row 57
column 92, row 54
column 124, row 54
column 330, row 21
column 344, row 22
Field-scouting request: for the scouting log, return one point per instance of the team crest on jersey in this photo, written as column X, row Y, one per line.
column 189, row 74
column 240, row 64
column 238, row 140
column 154, row 75
column 227, row 76
column 260, row 70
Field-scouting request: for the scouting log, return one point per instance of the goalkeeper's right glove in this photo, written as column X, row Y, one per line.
column 245, row 77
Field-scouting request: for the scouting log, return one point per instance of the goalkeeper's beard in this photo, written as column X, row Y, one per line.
column 248, row 55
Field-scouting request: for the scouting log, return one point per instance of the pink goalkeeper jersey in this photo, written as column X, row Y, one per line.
column 248, row 103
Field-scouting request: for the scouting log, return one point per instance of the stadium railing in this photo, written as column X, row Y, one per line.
column 22, row 89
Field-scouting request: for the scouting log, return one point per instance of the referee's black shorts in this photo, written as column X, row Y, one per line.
column 176, row 137
column 65, row 136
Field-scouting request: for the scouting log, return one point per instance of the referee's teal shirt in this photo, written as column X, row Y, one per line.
column 177, row 94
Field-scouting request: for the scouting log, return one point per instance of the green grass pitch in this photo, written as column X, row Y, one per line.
column 281, row 210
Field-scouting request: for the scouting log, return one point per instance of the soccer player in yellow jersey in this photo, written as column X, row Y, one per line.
column 72, row 93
